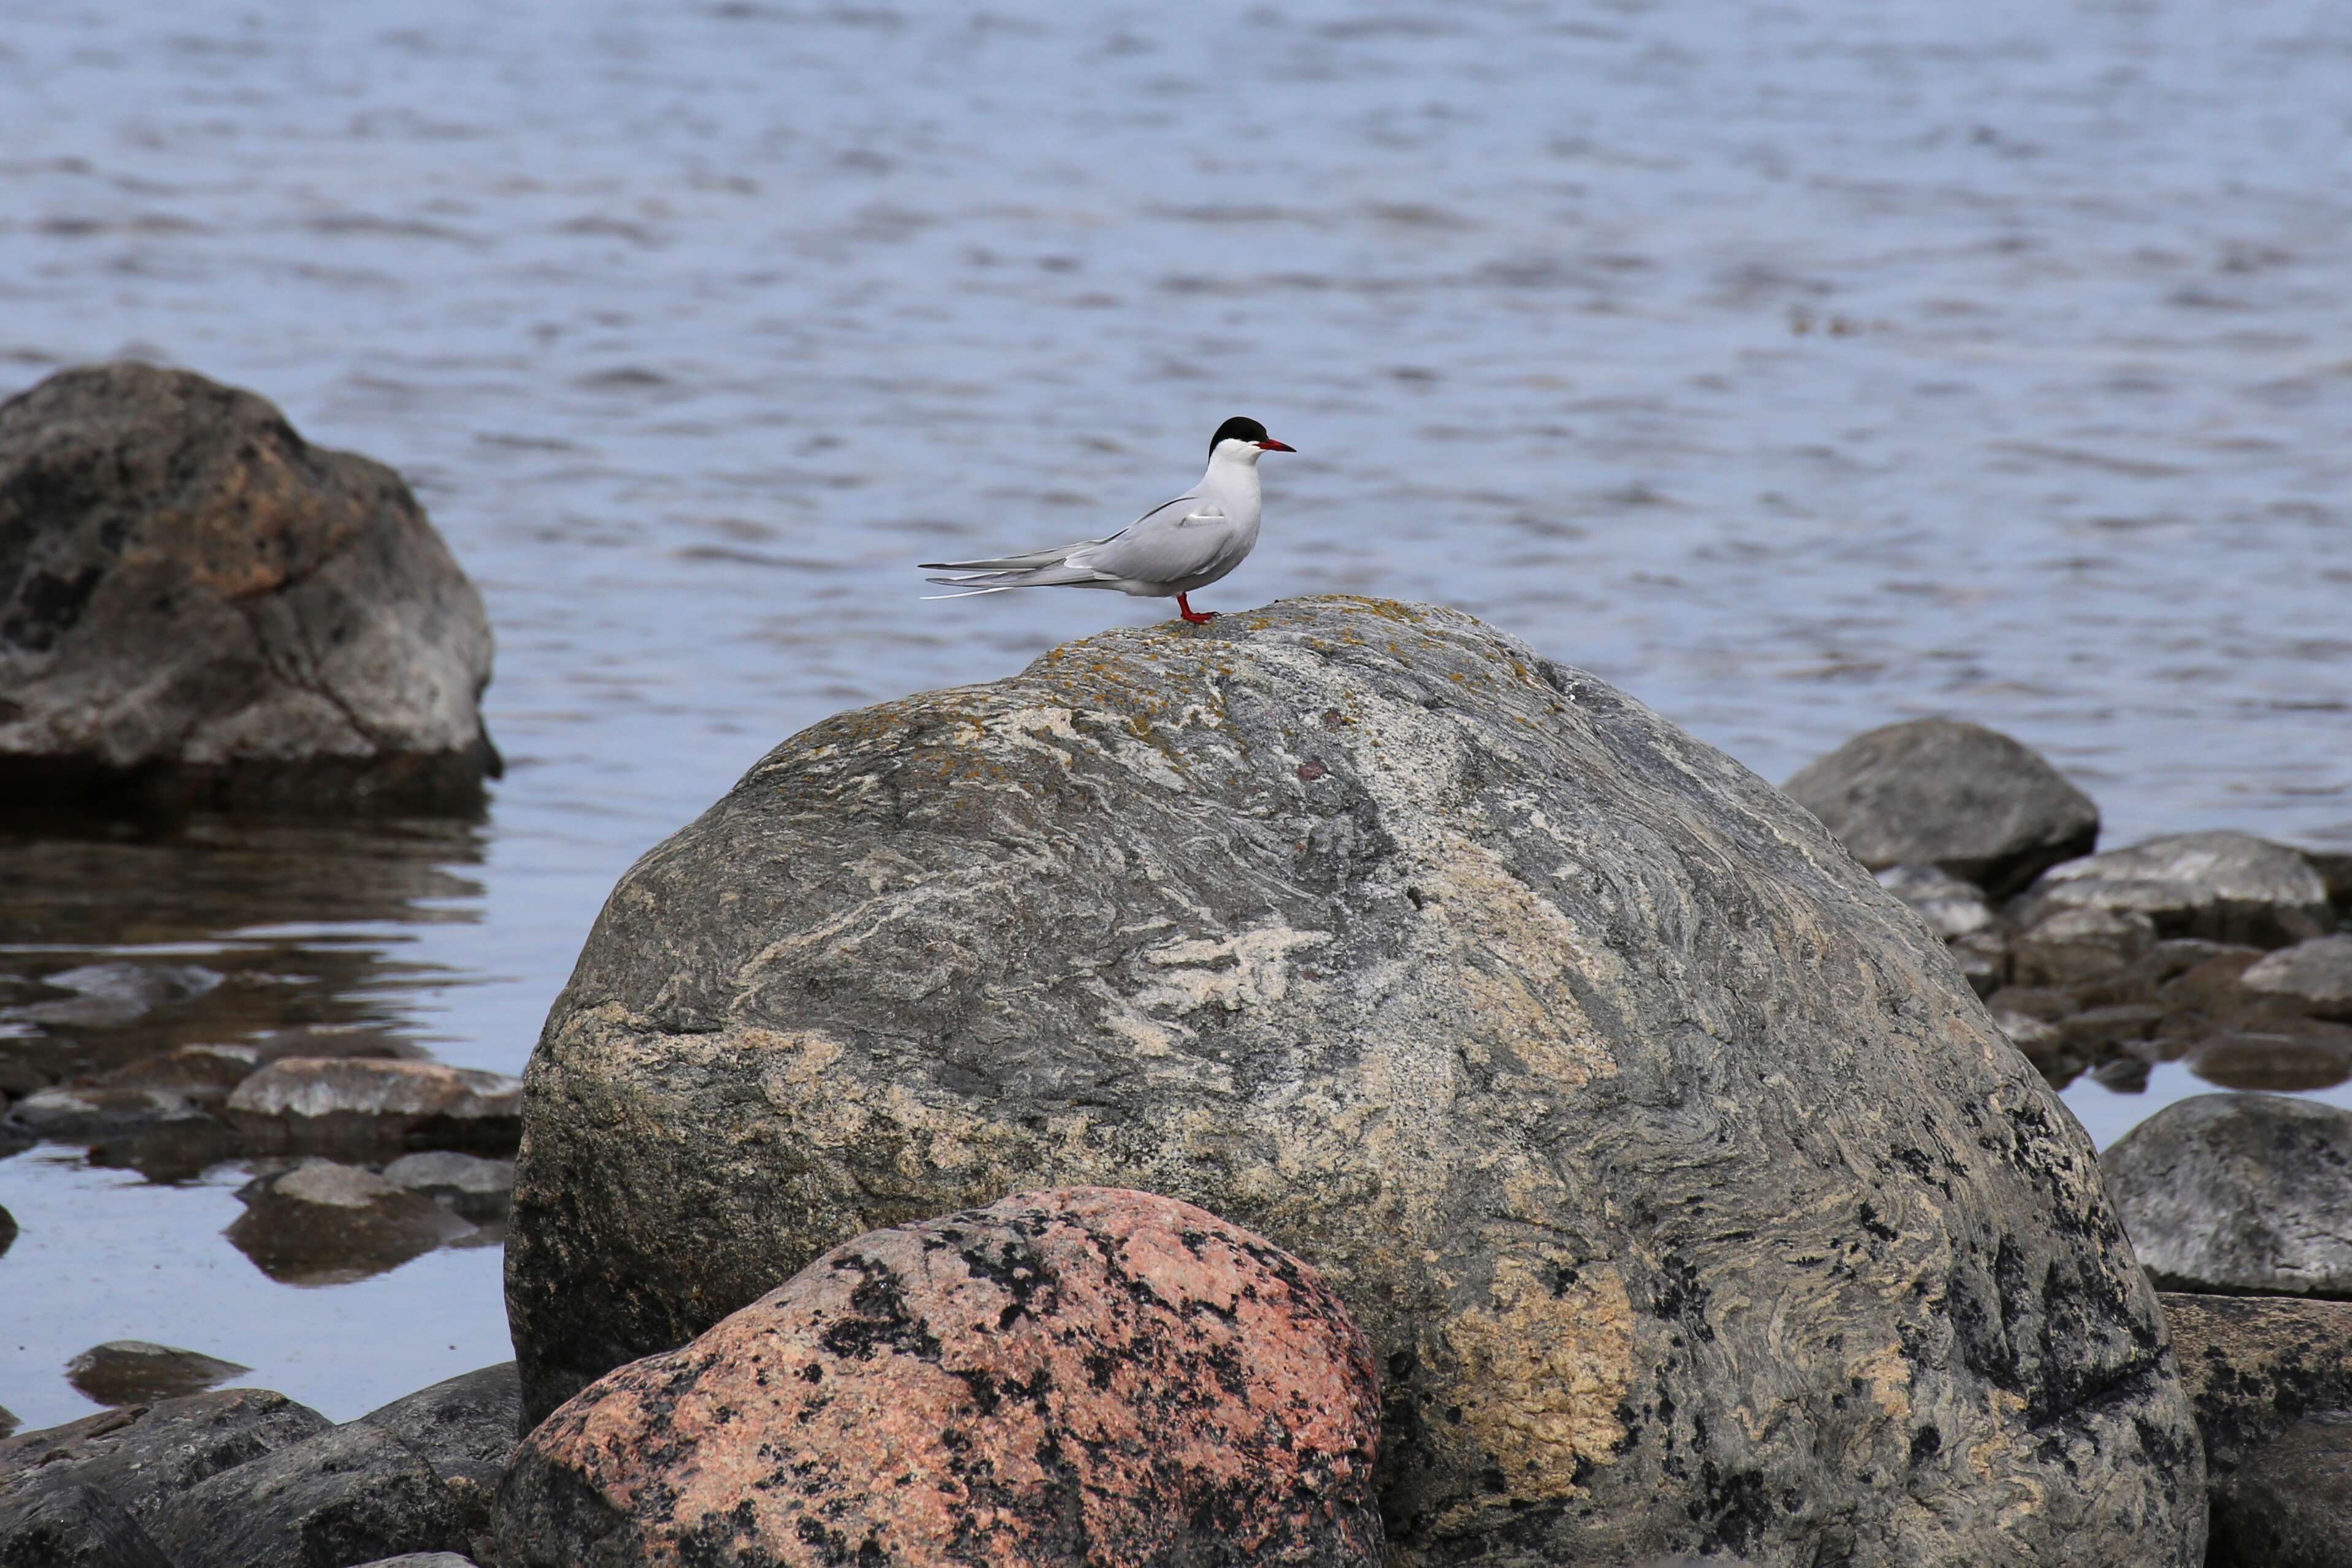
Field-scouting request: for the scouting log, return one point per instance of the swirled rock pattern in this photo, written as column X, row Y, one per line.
column 1082, row 1377
column 1688, row 1197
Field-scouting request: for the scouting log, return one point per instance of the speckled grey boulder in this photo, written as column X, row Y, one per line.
column 1689, row 1199
column 198, row 607
column 1944, row 793
column 2240, row 1191
column 2228, row 887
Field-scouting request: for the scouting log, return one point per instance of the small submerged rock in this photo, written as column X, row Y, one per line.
column 7, row 1239
column 1944, row 793
column 303, row 1103
column 481, row 1189
column 1085, row 1375
column 2239, row 1192
column 88, row 1113
column 202, row 1074
column 324, row 1224
column 115, row 992
column 135, row 1371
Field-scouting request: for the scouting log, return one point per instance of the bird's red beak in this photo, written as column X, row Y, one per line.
column 1271, row 445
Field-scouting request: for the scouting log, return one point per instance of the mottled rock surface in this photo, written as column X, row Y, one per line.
column 465, row 1427
column 1939, row 792
column 198, row 607
column 2314, row 976
column 2239, row 1192
column 347, row 1495
column 478, row 1188
column 135, row 1371
column 1690, row 1200
column 144, row 1456
column 326, row 1224
column 2290, row 1505
column 1085, row 1375
column 54, row 1522
column 343, row 1103
column 2223, row 886
column 2254, row 1365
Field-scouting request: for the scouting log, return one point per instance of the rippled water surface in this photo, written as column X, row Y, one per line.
column 1798, row 368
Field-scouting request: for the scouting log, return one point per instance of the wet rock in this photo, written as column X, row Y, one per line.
column 2314, row 976
column 2290, row 1504
column 2292, row 1059
column 88, row 1113
column 1085, row 1375
column 49, row 1523
column 7, row 1239
column 345, row 1496
column 2072, row 946
column 2334, row 868
column 2254, row 1365
column 317, row 1103
column 482, row 1190
column 200, row 608
column 143, row 1456
column 1948, row 794
column 109, row 994
column 465, row 1427
column 2239, row 1192
column 1614, row 1098
column 361, row 1041
column 1952, row 907
column 8, row 1422
column 202, row 1074
column 2211, row 988
column 2226, row 887
column 323, row 1224
column 136, row 1372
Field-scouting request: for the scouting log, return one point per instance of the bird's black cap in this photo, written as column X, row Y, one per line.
column 1237, row 428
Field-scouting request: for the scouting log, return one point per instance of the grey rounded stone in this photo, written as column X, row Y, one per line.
column 2315, row 975
column 353, row 1104
column 2290, row 1505
column 1689, row 1198
column 135, row 1371
column 328, row 1224
column 50, row 1522
column 1952, row 907
column 478, row 1188
column 2240, row 1191
column 1941, row 792
column 464, row 1427
column 2076, row 946
column 198, row 607
column 145, row 1454
column 2224, row 886
column 348, row 1495
column 2254, row 1365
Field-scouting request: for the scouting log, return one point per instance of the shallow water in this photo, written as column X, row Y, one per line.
column 1798, row 368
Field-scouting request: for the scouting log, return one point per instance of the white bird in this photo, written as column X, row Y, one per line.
column 1174, row 548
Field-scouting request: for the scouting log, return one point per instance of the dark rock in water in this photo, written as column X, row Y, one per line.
column 136, row 1372
column 2334, row 868
column 345, row 1496
column 1617, row 1101
column 146, row 1455
column 2227, row 887
column 8, row 1422
column 199, row 608
column 1078, row 1375
column 2315, row 977
column 344, row 1104
column 84, row 1115
column 2072, row 946
column 464, row 1427
column 482, row 1190
column 110, row 994
column 2239, row 1192
column 203, row 1074
column 2290, row 1504
column 7, row 1239
column 53, row 1522
column 2254, row 1365
column 2290, row 1060
column 421, row 1560
column 325, row 1223
column 1957, row 796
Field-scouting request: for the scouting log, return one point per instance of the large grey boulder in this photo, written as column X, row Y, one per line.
column 349, row 1495
column 1945, row 792
column 2239, row 1192
column 2224, row 886
column 198, row 607
column 145, row 1455
column 2290, row 1506
column 1689, row 1199
column 465, row 1427
column 2254, row 1365
column 55, row 1522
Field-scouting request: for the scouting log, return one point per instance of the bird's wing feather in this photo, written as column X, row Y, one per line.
column 1053, row 556
column 1173, row 541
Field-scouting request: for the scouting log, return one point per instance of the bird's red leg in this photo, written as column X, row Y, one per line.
column 1198, row 617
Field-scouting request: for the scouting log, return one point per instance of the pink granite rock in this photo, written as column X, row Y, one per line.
column 1082, row 1376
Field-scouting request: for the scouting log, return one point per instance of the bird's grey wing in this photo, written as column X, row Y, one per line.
column 1172, row 542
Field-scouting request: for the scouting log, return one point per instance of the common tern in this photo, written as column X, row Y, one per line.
column 1174, row 548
